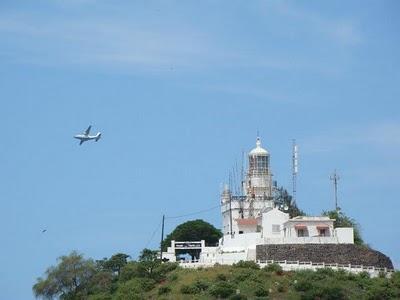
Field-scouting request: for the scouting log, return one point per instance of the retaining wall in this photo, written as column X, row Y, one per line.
column 324, row 253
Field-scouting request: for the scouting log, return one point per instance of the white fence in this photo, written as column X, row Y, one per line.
column 298, row 265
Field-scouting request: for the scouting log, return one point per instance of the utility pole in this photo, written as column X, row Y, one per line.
column 335, row 177
column 230, row 213
column 162, row 236
column 294, row 171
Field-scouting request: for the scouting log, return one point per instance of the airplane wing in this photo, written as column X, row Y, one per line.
column 88, row 130
column 81, row 142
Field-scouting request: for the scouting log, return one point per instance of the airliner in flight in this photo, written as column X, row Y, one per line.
column 86, row 137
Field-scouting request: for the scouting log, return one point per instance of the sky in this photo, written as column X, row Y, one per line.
column 179, row 89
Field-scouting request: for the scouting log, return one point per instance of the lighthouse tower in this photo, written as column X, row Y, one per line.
column 258, row 183
column 242, row 213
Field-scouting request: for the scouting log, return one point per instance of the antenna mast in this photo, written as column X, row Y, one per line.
column 242, row 175
column 335, row 177
column 294, row 170
column 162, row 237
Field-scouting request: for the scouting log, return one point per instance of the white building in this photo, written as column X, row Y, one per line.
column 241, row 213
column 252, row 219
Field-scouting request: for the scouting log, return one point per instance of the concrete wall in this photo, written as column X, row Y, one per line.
column 246, row 229
column 273, row 217
column 324, row 253
column 258, row 206
column 241, row 240
column 345, row 235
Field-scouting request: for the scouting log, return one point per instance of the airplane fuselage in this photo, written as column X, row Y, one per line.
column 86, row 137
column 83, row 137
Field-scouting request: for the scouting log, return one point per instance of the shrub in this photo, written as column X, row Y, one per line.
column 101, row 296
column 159, row 273
column 249, row 264
column 274, row 268
column 201, row 284
column 221, row 277
column 333, row 293
column 303, row 285
column 242, row 275
column 189, row 289
column 146, row 284
column 364, row 275
column 222, row 289
column 281, row 288
column 382, row 274
column 131, row 289
column 261, row 292
column 101, row 282
column 325, row 272
column 173, row 277
column 164, row 290
column 325, row 292
column 382, row 288
column 238, row 297
column 395, row 279
column 167, row 267
column 351, row 276
column 343, row 274
column 129, row 271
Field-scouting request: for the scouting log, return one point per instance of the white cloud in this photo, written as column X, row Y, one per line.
column 111, row 42
column 107, row 42
column 340, row 31
column 384, row 135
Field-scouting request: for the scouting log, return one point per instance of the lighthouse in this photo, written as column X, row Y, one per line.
column 258, row 183
column 242, row 213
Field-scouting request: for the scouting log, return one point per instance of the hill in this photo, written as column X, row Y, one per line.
column 245, row 281
column 119, row 279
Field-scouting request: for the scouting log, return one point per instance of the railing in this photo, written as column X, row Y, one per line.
column 326, row 265
column 292, row 264
column 301, row 240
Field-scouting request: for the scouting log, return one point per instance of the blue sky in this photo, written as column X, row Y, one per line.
column 179, row 90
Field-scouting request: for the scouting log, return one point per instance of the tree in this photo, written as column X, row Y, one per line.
column 66, row 279
column 195, row 230
column 149, row 266
column 341, row 220
column 116, row 262
column 148, row 261
column 282, row 197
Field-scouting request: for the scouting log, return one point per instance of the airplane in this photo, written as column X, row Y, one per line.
column 86, row 137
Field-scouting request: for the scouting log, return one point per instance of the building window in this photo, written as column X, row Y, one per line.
column 276, row 228
column 322, row 232
column 240, row 231
column 301, row 232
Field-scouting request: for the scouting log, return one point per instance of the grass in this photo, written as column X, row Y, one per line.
column 230, row 282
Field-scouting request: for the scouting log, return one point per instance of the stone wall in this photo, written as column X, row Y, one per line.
column 327, row 253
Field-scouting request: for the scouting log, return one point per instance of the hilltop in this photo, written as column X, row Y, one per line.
column 119, row 279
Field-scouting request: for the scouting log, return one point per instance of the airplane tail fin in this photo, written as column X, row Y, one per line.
column 98, row 136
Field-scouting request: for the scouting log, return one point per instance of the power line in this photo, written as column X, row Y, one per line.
column 153, row 234
column 194, row 213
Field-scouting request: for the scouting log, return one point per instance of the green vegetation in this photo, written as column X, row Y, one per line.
column 341, row 220
column 283, row 197
column 75, row 277
column 195, row 230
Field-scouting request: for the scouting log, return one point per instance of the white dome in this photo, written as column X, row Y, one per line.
column 258, row 150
